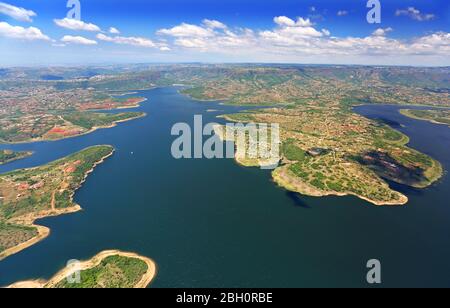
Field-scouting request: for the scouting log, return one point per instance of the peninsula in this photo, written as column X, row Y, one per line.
column 436, row 116
column 45, row 191
column 332, row 151
column 7, row 156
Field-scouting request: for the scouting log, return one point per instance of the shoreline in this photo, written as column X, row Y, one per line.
column 25, row 154
column 93, row 129
column 407, row 113
column 281, row 179
column 302, row 188
column 44, row 232
column 145, row 281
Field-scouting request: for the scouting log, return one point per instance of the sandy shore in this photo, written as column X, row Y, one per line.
column 43, row 232
column 145, row 281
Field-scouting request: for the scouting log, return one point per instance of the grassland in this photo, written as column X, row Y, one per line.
column 30, row 194
column 7, row 156
column 437, row 116
column 109, row 269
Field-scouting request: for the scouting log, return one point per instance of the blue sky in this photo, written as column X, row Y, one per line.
column 411, row 32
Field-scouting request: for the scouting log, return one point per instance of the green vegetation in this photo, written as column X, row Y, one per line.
column 29, row 194
column 438, row 116
column 89, row 120
column 7, row 156
column 293, row 152
column 55, row 127
column 113, row 272
column 12, row 235
column 30, row 190
column 330, row 150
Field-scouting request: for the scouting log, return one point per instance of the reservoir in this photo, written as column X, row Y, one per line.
column 213, row 223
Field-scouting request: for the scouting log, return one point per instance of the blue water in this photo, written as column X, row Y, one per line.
column 212, row 223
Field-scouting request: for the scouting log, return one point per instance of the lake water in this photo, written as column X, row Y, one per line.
column 212, row 223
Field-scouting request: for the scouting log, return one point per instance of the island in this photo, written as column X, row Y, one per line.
column 7, row 156
column 108, row 269
column 31, row 194
column 436, row 116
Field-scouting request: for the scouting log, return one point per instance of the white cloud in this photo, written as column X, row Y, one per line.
column 342, row 13
column 16, row 32
column 133, row 41
column 79, row 40
column 78, row 25
column 382, row 32
column 414, row 14
column 17, row 13
column 284, row 21
column 437, row 41
column 303, row 22
column 113, row 30
column 187, row 30
column 214, row 24
column 298, row 40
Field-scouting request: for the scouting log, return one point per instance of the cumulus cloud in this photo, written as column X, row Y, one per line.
column 214, row 24
column 187, row 30
column 77, row 25
column 16, row 32
column 284, row 21
column 133, row 41
column 342, row 13
column 382, row 32
column 415, row 14
column 79, row 40
column 439, row 42
column 17, row 13
column 296, row 39
column 113, row 30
